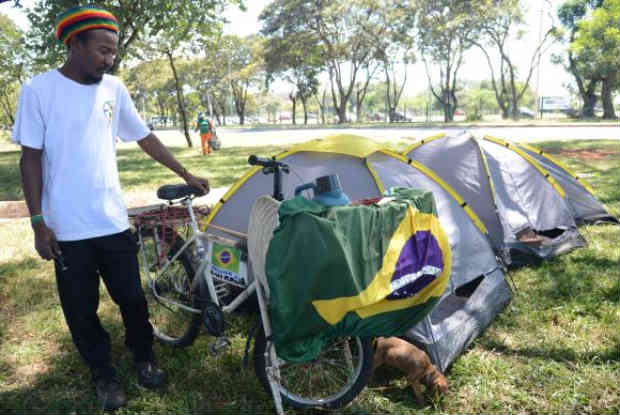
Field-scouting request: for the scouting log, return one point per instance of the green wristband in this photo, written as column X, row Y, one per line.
column 36, row 219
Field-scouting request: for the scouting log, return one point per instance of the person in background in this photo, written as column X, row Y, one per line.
column 206, row 134
column 67, row 123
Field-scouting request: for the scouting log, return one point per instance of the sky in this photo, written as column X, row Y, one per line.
column 551, row 77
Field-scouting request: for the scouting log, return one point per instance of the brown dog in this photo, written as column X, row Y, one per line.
column 405, row 356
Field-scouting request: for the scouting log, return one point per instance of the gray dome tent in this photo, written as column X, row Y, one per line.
column 477, row 290
column 529, row 203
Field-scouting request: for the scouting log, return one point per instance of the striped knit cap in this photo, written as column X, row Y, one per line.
column 81, row 18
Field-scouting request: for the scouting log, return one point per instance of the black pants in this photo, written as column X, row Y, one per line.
column 114, row 258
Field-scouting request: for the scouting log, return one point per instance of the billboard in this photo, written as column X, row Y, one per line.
column 554, row 104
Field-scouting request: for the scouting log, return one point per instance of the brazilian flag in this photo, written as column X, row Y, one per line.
column 364, row 271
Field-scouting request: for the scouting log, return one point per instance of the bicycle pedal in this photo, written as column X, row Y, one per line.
column 213, row 319
column 219, row 345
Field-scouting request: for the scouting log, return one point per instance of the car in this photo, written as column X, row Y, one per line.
column 398, row 117
column 525, row 112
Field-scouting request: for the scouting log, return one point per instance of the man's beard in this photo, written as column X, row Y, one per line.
column 93, row 79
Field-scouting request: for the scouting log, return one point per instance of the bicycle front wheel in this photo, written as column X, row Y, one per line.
column 332, row 380
column 172, row 324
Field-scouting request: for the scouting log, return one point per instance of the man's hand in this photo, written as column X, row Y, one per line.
column 154, row 148
column 45, row 242
column 198, row 182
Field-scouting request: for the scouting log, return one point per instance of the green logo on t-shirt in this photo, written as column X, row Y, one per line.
column 108, row 110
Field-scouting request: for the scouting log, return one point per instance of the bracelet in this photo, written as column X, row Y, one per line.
column 36, row 219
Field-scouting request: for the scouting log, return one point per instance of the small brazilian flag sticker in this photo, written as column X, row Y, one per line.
column 225, row 262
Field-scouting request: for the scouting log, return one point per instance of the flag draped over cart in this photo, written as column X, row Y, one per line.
column 370, row 270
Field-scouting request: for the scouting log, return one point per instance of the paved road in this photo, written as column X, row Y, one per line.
column 260, row 136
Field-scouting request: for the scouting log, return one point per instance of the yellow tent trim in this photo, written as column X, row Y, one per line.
column 487, row 171
column 372, row 300
column 349, row 144
column 375, row 176
column 422, row 141
column 530, row 160
column 561, row 165
column 433, row 176
column 233, row 189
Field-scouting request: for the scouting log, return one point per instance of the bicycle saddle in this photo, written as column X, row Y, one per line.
column 177, row 191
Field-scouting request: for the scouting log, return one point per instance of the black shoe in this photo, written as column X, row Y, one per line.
column 150, row 376
column 110, row 394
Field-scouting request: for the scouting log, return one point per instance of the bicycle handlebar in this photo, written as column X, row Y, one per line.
column 271, row 166
column 254, row 160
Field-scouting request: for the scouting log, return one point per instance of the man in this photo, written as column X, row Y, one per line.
column 206, row 134
column 67, row 123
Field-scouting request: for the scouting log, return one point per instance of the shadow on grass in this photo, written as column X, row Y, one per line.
column 577, row 279
column 61, row 387
column 561, row 355
column 10, row 177
column 23, row 295
column 198, row 383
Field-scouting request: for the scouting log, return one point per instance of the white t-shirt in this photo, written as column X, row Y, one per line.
column 76, row 126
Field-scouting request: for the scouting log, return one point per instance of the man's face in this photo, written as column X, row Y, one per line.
column 96, row 54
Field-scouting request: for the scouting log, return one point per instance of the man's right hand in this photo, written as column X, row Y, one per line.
column 45, row 242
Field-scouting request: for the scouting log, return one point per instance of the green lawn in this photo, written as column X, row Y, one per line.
column 554, row 350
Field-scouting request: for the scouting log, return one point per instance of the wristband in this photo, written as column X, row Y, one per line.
column 36, row 219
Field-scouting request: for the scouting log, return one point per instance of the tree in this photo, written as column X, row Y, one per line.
column 151, row 86
column 499, row 21
column 586, row 75
column 597, row 41
column 210, row 76
column 137, row 20
column 390, row 30
column 337, row 27
column 15, row 67
column 246, row 68
column 478, row 99
column 445, row 29
column 295, row 58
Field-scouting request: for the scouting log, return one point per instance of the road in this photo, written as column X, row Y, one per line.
column 232, row 137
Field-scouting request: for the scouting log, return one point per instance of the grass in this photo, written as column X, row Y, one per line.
column 554, row 350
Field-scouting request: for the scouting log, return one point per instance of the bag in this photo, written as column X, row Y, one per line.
column 215, row 143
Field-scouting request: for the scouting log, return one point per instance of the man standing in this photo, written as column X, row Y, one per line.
column 206, row 134
column 67, row 123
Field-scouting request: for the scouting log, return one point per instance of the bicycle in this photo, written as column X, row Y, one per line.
column 187, row 292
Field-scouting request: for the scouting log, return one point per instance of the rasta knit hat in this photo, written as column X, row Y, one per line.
column 81, row 18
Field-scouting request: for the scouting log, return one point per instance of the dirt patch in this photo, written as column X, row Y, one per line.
column 13, row 209
column 594, row 155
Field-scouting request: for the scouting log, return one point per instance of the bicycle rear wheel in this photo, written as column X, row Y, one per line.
column 172, row 325
column 332, row 380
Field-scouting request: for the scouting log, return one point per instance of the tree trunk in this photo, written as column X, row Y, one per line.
column 606, row 97
column 303, row 104
column 589, row 100
column 448, row 111
column 293, row 98
column 180, row 99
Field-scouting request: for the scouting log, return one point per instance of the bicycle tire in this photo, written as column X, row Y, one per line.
column 172, row 325
column 314, row 390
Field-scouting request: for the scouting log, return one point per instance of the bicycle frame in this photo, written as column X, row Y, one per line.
column 201, row 273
